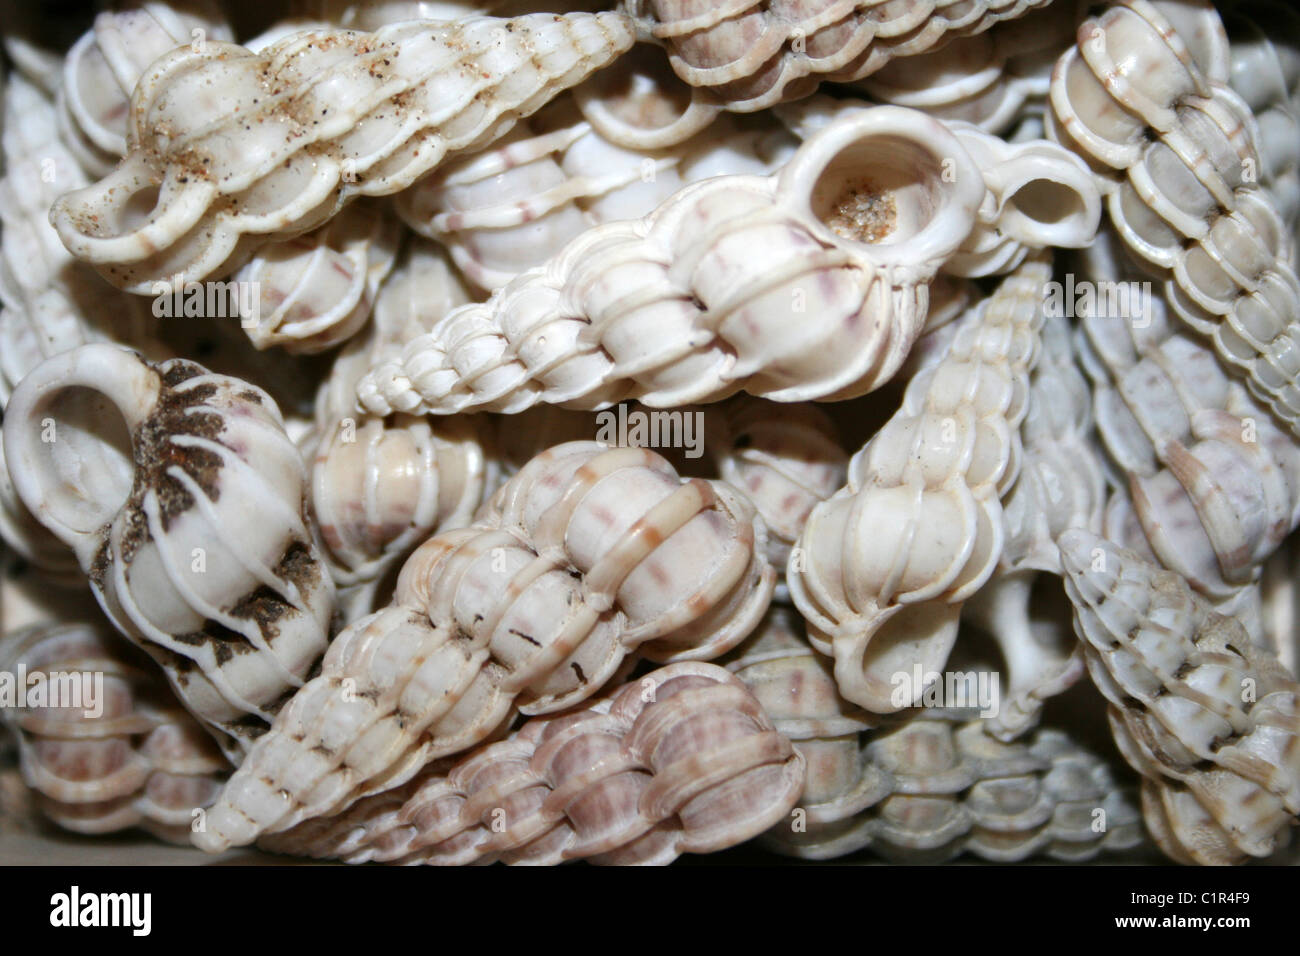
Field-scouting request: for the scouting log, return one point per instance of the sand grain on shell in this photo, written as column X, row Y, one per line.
column 863, row 213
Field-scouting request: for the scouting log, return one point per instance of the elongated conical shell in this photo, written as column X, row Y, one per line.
column 585, row 555
column 104, row 744
column 307, row 124
column 182, row 497
column 808, row 284
column 1208, row 719
column 882, row 567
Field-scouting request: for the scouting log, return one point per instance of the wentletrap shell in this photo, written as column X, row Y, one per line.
column 463, row 431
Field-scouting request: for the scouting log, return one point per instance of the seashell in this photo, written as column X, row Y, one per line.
column 386, row 111
column 121, row 754
column 516, row 204
column 381, row 486
column 183, row 499
column 1280, row 605
column 585, row 555
column 1207, row 718
column 1143, row 96
column 1037, row 194
column 882, row 567
column 105, row 64
column 854, row 226
column 683, row 760
column 749, row 56
column 1210, row 485
column 27, row 537
column 317, row 290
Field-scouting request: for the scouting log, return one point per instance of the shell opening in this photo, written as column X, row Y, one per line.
column 1051, row 206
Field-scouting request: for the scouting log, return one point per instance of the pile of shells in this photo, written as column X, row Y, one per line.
column 518, row 431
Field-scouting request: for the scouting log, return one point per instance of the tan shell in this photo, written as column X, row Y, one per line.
column 140, row 762
column 583, row 556
column 1208, row 719
column 717, row 272
column 182, row 497
column 356, row 114
column 882, row 567
column 683, row 760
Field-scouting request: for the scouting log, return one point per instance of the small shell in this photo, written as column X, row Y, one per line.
column 882, row 568
column 122, row 755
column 583, row 556
column 1208, row 719
column 750, row 55
column 716, row 272
column 683, row 760
column 183, row 499
column 1143, row 96
column 315, row 291
column 380, row 103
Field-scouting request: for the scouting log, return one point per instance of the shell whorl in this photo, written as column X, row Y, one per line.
column 323, row 117
column 182, row 497
column 585, row 555
column 124, row 755
column 882, row 567
column 718, row 271
column 1143, row 96
column 1208, row 719
column 683, row 760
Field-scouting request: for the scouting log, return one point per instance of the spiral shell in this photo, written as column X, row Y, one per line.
column 332, row 115
column 183, row 499
column 749, row 56
column 317, row 290
column 1208, row 719
column 583, row 556
column 882, row 568
column 844, row 239
column 1143, row 96
column 683, row 760
column 124, row 755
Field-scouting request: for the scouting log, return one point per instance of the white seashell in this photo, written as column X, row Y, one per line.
column 683, row 760
column 583, row 556
column 316, row 291
column 1143, row 96
column 125, row 755
column 1207, row 718
column 386, row 110
column 381, row 486
column 844, row 240
column 35, row 543
column 183, row 499
column 104, row 66
column 882, row 568
column 750, row 56
column 1280, row 605
column 514, row 205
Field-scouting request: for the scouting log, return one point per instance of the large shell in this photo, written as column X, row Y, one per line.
column 315, row 291
column 808, row 284
column 1143, row 96
column 586, row 554
column 751, row 55
column 931, row 786
column 117, row 752
column 1208, row 719
column 322, row 117
column 514, row 205
column 683, row 760
column 183, row 499
column 882, row 568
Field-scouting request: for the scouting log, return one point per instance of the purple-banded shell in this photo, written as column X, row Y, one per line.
column 846, row 238
column 209, row 177
column 748, row 56
column 1207, row 718
column 585, row 555
column 683, row 760
column 882, row 567
column 119, row 752
column 183, row 499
